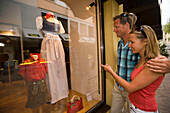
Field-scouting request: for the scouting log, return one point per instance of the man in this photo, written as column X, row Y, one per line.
column 126, row 60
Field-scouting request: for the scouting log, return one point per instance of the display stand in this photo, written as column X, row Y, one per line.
column 9, row 74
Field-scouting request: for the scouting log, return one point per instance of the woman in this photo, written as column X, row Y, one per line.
column 144, row 83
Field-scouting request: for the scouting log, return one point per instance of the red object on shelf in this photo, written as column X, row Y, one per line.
column 74, row 105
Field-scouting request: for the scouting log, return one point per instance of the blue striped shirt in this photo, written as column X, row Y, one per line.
column 126, row 61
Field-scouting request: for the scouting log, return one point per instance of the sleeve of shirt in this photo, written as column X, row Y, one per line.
column 43, row 50
column 61, row 28
column 39, row 24
column 22, row 71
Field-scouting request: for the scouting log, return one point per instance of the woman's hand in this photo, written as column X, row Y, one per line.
column 107, row 68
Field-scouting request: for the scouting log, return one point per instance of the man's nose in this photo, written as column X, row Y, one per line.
column 114, row 30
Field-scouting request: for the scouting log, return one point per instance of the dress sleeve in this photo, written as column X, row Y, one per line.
column 39, row 24
column 43, row 50
column 22, row 71
column 61, row 28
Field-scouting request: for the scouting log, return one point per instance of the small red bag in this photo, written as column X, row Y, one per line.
column 74, row 105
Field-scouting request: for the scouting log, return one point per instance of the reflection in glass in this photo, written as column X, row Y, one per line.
column 10, row 58
column 78, row 44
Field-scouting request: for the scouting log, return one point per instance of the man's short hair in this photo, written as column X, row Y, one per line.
column 131, row 18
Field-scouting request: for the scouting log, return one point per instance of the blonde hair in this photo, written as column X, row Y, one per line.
column 152, row 46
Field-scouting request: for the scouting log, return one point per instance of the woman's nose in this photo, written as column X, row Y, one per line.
column 129, row 44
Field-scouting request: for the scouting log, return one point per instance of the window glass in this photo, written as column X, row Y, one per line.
column 48, row 56
column 83, row 29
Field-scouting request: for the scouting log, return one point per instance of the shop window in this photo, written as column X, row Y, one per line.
column 53, row 57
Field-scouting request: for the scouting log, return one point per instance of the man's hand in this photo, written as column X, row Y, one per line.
column 160, row 64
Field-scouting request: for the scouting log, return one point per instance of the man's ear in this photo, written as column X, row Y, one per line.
column 127, row 24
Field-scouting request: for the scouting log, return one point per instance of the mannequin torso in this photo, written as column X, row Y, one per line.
column 53, row 20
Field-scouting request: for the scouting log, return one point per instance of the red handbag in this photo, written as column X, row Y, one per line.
column 74, row 105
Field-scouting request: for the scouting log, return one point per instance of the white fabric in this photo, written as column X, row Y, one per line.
column 52, row 50
column 136, row 110
column 39, row 22
column 35, row 57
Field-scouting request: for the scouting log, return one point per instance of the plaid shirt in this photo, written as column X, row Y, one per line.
column 126, row 61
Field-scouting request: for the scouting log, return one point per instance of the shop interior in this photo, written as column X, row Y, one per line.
column 20, row 36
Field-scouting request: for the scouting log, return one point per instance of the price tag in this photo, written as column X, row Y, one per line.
column 89, row 96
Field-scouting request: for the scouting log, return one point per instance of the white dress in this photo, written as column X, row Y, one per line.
column 52, row 50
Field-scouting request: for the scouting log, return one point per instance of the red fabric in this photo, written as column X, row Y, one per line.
column 49, row 14
column 33, row 70
column 74, row 107
column 144, row 99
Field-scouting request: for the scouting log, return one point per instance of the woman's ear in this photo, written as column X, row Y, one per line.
column 145, row 41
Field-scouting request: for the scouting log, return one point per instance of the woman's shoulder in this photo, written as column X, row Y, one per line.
column 147, row 71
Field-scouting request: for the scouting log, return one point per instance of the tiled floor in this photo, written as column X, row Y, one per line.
column 163, row 95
